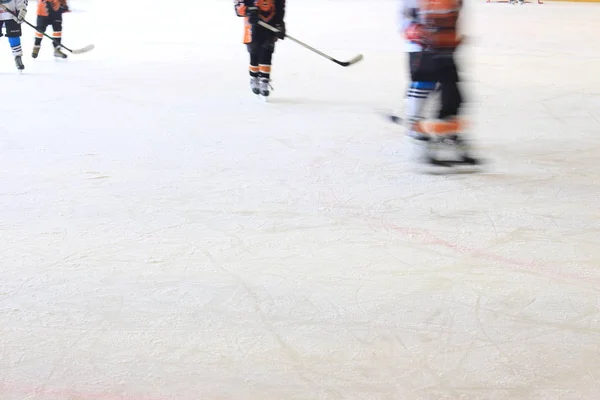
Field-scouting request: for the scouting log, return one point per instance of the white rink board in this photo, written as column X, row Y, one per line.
column 165, row 236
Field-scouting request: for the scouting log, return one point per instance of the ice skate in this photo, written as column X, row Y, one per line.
column 451, row 154
column 444, row 147
column 464, row 153
column 59, row 54
column 264, row 87
column 254, row 85
column 418, row 148
column 19, row 63
column 35, row 52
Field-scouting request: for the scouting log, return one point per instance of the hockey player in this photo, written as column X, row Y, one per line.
column 259, row 40
column 434, row 26
column 11, row 19
column 50, row 12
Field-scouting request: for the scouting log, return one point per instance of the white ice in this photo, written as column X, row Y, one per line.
column 166, row 236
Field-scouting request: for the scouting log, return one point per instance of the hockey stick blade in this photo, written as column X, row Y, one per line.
column 393, row 118
column 85, row 49
column 356, row 59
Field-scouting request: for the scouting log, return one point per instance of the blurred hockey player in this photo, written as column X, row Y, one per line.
column 434, row 26
column 259, row 40
column 11, row 19
column 50, row 12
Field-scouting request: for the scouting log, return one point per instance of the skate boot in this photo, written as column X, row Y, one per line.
column 417, row 147
column 36, row 51
column 58, row 53
column 254, row 85
column 264, row 86
column 446, row 148
column 463, row 151
column 19, row 63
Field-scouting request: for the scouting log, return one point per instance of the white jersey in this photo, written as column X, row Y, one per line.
column 12, row 5
column 408, row 15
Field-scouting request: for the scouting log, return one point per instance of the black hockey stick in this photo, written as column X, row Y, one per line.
column 293, row 39
column 85, row 49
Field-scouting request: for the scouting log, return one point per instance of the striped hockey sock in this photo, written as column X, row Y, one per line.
column 415, row 102
column 15, row 44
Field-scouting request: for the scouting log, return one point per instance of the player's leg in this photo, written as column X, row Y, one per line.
column 57, row 22
column 449, row 129
column 253, row 53
column 13, row 32
column 42, row 24
column 267, row 48
column 423, row 83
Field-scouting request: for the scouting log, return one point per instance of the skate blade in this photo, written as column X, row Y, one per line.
column 455, row 169
column 434, row 166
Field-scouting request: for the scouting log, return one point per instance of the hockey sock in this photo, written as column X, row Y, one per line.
column 415, row 102
column 265, row 62
column 253, row 65
column 57, row 38
column 38, row 39
column 265, row 71
column 253, row 70
column 15, row 44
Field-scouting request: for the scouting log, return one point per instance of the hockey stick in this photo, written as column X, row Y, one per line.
column 85, row 49
column 293, row 39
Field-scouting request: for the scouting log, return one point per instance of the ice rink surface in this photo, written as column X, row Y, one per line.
column 166, row 236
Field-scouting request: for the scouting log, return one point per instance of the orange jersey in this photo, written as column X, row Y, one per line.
column 45, row 7
column 440, row 18
column 269, row 11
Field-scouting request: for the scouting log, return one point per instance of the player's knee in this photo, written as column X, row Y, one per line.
column 268, row 47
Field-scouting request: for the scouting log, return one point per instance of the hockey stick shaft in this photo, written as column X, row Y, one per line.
column 54, row 40
column 293, row 39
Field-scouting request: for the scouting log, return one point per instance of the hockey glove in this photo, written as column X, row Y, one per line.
column 21, row 15
column 252, row 14
column 64, row 7
column 281, row 28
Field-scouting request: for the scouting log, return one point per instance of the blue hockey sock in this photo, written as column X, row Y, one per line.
column 15, row 44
